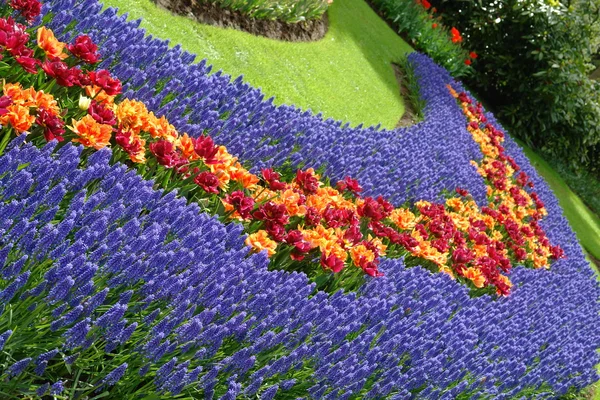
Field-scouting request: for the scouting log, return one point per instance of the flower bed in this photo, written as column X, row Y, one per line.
column 291, row 11
column 123, row 308
column 299, row 219
column 305, row 26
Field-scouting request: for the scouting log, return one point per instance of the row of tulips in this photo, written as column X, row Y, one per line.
column 301, row 219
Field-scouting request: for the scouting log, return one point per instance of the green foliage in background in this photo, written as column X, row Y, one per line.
column 284, row 10
column 412, row 20
column 533, row 66
column 584, row 183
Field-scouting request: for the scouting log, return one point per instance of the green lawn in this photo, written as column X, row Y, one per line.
column 347, row 75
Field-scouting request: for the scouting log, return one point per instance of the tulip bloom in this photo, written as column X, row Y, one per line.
column 51, row 46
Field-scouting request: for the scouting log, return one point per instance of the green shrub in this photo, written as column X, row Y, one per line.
column 533, row 66
column 285, row 10
column 417, row 25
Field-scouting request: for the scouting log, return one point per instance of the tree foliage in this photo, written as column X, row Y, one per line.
column 534, row 61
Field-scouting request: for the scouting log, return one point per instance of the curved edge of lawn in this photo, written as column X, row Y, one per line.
column 347, row 75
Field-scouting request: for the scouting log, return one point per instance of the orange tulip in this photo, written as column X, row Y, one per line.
column 245, row 178
column 291, row 200
column 132, row 115
column 99, row 95
column 186, row 145
column 18, row 117
column 48, row 42
column 91, row 133
column 475, row 276
column 403, row 218
column 260, row 241
column 46, row 101
column 361, row 255
column 20, row 96
column 159, row 128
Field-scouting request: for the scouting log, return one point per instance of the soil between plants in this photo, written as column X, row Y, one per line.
column 211, row 14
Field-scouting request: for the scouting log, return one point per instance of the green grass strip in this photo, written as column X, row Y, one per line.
column 347, row 75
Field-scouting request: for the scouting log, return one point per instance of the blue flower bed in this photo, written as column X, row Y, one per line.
column 142, row 293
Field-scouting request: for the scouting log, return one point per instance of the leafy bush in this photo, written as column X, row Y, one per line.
column 284, row 10
column 533, row 66
column 428, row 35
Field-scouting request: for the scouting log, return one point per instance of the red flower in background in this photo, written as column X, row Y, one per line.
column 28, row 8
column 242, row 204
column 426, row 4
column 270, row 211
column 353, row 234
column 557, row 252
column 206, row 149
column 467, row 62
column 53, row 126
column 375, row 209
column 462, row 192
column 132, row 144
column 473, row 55
column 335, row 217
column 60, row 71
column 455, row 35
column 349, row 184
column 5, row 101
column 101, row 114
column 332, row 262
column 301, row 247
column 272, row 178
column 14, row 38
column 102, row 78
column 371, row 269
column 276, row 231
column 307, row 181
column 29, row 64
column 312, row 217
column 165, row 153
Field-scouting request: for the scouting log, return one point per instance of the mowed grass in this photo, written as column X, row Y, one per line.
column 347, row 75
